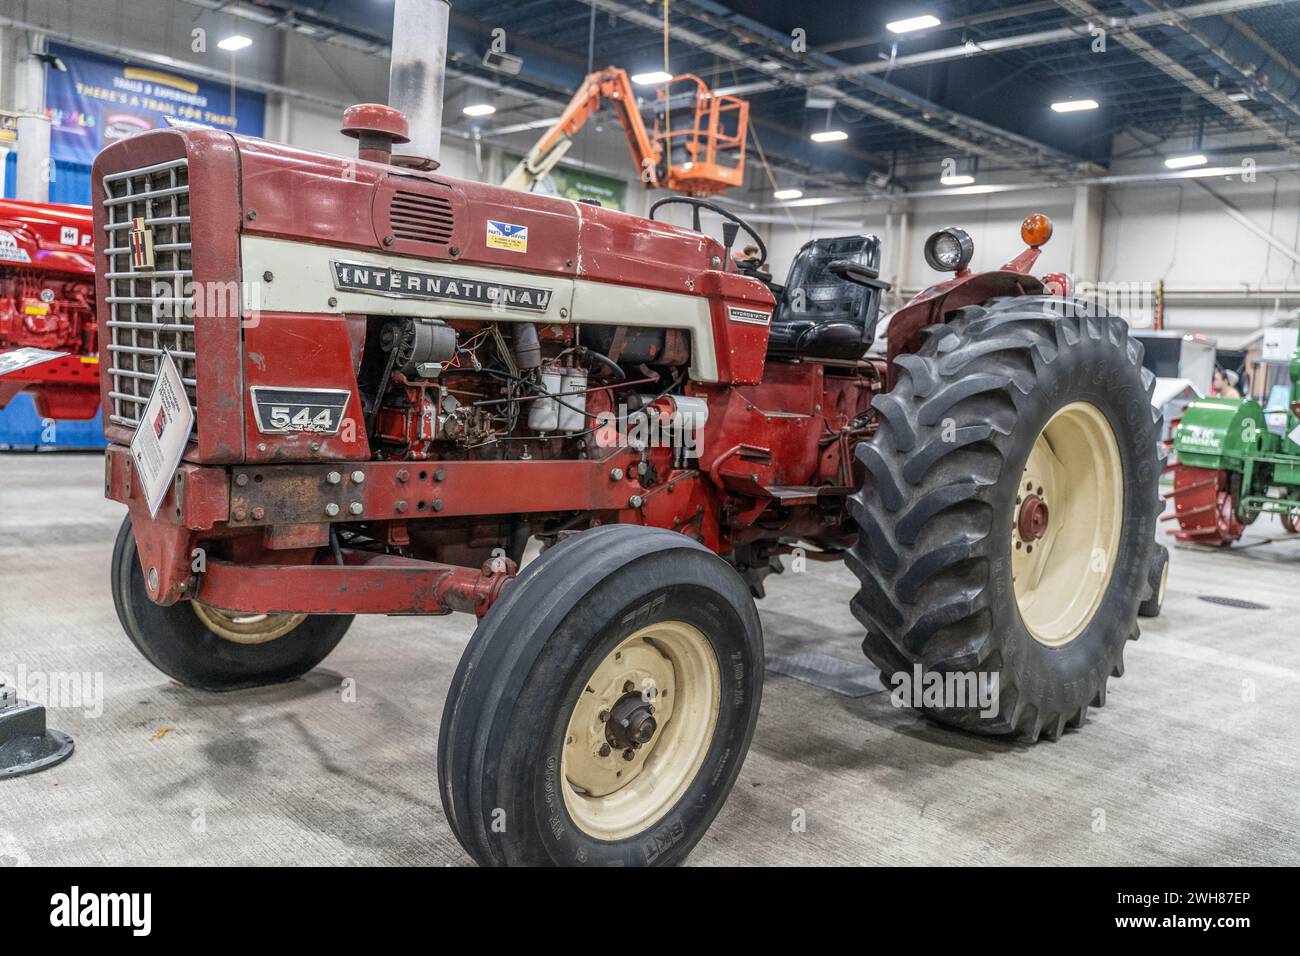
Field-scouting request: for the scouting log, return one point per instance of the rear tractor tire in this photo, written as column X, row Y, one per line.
column 604, row 706
column 1007, row 521
column 1157, row 580
column 210, row 649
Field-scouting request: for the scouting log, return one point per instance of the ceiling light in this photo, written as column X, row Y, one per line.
column 829, row 136
column 1075, row 106
column 652, row 78
column 236, row 42
column 913, row 23
column 1239, row 97
column 479, row 109
column 957, row 179
column 1186, row 162
column 787, row 194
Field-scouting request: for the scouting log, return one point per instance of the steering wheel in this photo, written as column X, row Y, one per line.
column 698, row 204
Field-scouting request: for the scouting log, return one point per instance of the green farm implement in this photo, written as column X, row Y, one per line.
column 1232, row 468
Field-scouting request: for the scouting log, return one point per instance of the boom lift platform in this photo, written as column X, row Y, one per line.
column 695, row 146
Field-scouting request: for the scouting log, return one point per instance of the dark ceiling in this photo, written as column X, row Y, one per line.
column 1159, row 83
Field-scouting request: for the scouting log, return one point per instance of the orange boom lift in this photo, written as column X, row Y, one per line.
column 696, row 145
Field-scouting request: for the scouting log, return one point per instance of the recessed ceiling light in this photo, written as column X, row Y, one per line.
column 652, row 78
column 829, row 136
column 957, row 179
column 787, row 194
column 236, row 42
column 1186, row 162
column 479, row 109
column 922, row 22
column 1074, row 106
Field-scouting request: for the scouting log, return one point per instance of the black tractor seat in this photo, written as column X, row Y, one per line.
column 830, row 303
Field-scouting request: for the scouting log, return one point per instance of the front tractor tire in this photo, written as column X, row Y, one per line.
column 1007, row 521
column 604, row 706
column 210, row 649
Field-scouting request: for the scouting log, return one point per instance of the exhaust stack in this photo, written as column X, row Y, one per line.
column 415, row 82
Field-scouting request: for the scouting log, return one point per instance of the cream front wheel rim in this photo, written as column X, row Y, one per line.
column 1066, row 524
column 665, row 682
column 246, row 628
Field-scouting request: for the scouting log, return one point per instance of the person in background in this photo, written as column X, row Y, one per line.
column 1224, row 384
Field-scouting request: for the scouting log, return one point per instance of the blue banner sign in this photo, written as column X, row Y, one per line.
column 100, row 100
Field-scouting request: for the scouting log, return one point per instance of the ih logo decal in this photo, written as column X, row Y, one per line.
column 507, row 235
column 141, row 245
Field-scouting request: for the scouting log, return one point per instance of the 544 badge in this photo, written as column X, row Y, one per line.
column 283, row 410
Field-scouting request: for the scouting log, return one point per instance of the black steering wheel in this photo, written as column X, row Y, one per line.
column 698, row 204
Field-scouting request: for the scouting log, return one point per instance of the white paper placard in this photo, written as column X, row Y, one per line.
column 1294, row 435
column 164, row 429
column 17, row 359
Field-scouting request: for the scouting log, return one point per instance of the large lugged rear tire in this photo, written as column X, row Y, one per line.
column 1157, row 581
column 207, row 649
column 1025, row 423
column 604, row 706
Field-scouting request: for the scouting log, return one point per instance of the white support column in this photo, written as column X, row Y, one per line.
column 35, row 168
column 27, row 74
column 1085, row 233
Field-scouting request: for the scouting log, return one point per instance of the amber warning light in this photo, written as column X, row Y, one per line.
column 1036, row 229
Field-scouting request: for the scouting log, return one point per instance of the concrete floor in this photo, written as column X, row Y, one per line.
column 1194, row 760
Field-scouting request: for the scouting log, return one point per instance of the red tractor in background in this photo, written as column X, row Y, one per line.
column 48, row 333
column 400, row 378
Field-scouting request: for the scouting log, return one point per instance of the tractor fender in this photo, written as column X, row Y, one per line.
column 937, row 302
column 1220, row 433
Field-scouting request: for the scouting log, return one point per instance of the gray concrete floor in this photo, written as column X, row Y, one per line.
column 1194, row 760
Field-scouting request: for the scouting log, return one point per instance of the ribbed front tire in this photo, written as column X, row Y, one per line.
column 945, row 517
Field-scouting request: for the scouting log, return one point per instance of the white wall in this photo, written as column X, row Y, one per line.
column 1220, row 278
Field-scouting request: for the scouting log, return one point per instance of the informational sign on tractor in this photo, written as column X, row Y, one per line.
column 25, row 358
column 164, row 429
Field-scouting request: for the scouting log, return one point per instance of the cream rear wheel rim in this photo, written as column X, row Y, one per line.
column 1061, row 568
column 246, row 628
column 613, row 792
column 1164, row 579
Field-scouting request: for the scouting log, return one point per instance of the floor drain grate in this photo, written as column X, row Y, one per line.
column 1233, row 602
column 829, row 673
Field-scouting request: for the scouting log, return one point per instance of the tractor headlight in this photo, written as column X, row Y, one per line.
column 949, row 250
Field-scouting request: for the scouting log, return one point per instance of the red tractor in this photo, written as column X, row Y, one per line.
column 48, row 333
column 400, row 378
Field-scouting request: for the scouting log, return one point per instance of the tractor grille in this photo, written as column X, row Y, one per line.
column 419, row 218
column 150, row 312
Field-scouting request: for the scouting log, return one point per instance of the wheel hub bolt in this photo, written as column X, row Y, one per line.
column 1032, row 521
column 604, row 750
column 629, row 754
column 631, row 723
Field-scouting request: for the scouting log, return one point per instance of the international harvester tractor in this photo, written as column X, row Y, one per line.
column 416, row 375
column 48, row 334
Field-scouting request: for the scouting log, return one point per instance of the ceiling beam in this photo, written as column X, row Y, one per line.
column 974, row 19
column 970, row 136
column 1176, row 71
